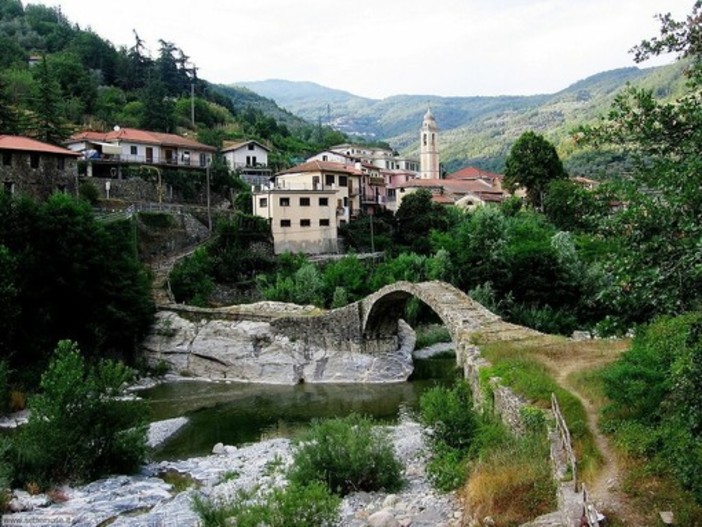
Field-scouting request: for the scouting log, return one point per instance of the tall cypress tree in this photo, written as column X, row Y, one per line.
column 48, row 124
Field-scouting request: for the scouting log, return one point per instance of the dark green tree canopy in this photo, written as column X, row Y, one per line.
column 532, row 164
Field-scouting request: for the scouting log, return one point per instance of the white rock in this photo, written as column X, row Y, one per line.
column 383, row 518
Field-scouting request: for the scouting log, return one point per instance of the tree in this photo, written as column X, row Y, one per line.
column 657, row 265
column 79, row 429
column 9, row 122
column 416, row 217
column 532, row 163
column 48, row 125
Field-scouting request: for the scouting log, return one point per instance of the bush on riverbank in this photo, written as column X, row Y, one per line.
column 296, row 505
column 448, row 415
column 78, row 429
column 347, row 454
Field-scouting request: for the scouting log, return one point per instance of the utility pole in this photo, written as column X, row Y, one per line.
column 192, row 102
column 371, row 229
column 209, row 214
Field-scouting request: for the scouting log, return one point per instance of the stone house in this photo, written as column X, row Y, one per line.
column 36, row 169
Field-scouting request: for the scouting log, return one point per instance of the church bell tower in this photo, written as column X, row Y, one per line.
column 429, row 148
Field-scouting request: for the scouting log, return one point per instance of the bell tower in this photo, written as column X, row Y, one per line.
column 429, row 148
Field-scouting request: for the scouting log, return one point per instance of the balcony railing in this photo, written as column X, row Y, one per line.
column 193, row 161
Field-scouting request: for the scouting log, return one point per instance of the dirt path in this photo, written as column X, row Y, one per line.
column 605, row 489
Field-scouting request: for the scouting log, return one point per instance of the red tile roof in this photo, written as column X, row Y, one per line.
column 474, row 173
column 459, row 188
column 16, row 142
column 140, row 136
column 321, row 166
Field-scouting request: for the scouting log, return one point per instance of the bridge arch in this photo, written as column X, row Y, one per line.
column 382, row 310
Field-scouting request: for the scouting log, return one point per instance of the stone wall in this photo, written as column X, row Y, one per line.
column 39, row 183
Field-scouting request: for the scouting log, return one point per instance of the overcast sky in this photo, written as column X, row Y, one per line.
column 378, row 48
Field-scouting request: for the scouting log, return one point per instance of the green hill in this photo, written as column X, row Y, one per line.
column 474, row 130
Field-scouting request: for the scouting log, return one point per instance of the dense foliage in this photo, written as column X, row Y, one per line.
column 656, row 398
column 67, row 275
column 79, row 427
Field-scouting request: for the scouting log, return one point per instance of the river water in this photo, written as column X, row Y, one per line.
column 237, row 414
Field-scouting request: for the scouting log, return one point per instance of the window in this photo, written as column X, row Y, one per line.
column 315, row 182
column 9, row 187
column 424, row 139
column 133, row 150
column 7, row 158
column 304, row 202
column 262, row 202
column 60, row 163
column 323, row 202
column 324, row 222
column 329, row 179
column 203, row 160
column 248, row 161
column 285, row 223
column 346, row 202
column 305, row 223
column 34, row 160
column 284, row 202
column 254, row 162
column 251, row 146
column 433, row 138
column 325, row 158
column 343, row 181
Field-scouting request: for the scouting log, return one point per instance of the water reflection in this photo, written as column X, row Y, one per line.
column 236, row 414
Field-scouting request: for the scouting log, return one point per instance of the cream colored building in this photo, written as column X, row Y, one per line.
column 302, row 221
column 344, row 180
column 429, row 148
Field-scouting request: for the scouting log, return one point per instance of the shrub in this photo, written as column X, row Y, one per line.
column 89, row 192
column 447, row 468
column 78, row 428
column 191, row 279
column 347, row 454
column 448, row 412
column 297, row 505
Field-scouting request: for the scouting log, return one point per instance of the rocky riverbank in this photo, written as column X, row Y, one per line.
column 151, row 498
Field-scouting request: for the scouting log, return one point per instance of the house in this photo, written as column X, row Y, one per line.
column 302, row 220
column 467, row 188
column 36, row 169
column 307, row 203
column 325, row 175
column 382, row 170
column 107, row 153
column 250, row 160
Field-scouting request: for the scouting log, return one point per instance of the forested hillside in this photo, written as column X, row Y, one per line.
column 56, row 77
column 475, row 130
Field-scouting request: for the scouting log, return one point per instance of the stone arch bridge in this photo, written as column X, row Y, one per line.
column 371, row 325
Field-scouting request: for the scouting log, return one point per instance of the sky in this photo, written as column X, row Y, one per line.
column 380, row 48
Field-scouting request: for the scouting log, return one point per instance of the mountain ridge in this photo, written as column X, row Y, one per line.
column 475, row 130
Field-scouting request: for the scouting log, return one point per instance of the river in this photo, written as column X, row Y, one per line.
column 237, row 413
